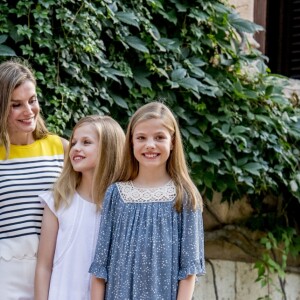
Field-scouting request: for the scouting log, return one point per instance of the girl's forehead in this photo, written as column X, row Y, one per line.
column 86, row 128
column 150, row 125
column 148, row 122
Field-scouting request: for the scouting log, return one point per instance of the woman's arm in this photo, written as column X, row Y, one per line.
column 186, row 288
column 45, row 255
column 97, row 288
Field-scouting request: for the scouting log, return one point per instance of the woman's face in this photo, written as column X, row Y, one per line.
column 24, row 110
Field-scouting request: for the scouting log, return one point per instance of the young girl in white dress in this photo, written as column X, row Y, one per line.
column 150, row 245
column 72, row 212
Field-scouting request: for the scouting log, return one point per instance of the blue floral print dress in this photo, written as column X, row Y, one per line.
column 144, row 246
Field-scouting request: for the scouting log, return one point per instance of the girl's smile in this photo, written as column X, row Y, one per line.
column 152, row 143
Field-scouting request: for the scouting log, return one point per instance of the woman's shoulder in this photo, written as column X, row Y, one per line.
column 55, row 144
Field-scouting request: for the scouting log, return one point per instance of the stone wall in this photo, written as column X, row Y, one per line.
column 244, row 7
column 229, row 280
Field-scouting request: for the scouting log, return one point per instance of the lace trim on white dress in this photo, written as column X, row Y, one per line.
column 133, row 194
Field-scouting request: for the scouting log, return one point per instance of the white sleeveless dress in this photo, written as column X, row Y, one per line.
column 75, row 245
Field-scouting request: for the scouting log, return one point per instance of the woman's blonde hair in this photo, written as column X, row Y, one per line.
column 176, row 164
column 111, row 142
column 14, row 73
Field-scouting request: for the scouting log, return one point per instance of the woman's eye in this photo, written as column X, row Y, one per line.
column 15, row 105
column 33, row 101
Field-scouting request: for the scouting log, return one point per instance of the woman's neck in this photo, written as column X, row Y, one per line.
column 24, row 139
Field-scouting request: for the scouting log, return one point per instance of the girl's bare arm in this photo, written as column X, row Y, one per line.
column 186, row 288
column 45, row 255
column 97, row 288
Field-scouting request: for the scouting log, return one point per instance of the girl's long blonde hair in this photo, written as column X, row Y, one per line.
column 176, row 164
column 14, row 73
column 111, row 142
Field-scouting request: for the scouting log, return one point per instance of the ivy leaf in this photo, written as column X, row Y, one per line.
column 247, row 180
column 199, row 143
column 142, row 81
column 3, row 38
column 119, row 101
column 239, row 129
column 178, row 74
column 6, row 51
column 264, row 119
column 253, row 168
column 194, row 157
column 170, row 15
column 194, row 130
column 243, row 25
column 200, row 16
column 214, row 157
column 136, row 43
column 154, row 32
column 197, row 62
column 203, row 145
column 212, row 119
column 189, row 84
column 127, row 18
column 197, row 72
column 169, row 44
column 208, row 179
column 269, row 90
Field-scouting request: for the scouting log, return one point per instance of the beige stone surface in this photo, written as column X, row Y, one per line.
column 244, row 7
column 236, row 281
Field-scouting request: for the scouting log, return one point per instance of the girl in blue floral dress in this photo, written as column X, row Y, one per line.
column 151, row 245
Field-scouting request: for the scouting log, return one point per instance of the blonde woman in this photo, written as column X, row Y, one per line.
column 31, row 159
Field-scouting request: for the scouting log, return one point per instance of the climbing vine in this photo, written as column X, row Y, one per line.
column 108, row 57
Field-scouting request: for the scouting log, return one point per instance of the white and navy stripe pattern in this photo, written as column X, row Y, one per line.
column 21, row 181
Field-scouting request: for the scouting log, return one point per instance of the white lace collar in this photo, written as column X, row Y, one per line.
column 133, row 194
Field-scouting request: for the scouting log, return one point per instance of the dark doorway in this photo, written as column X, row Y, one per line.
column 282, row 36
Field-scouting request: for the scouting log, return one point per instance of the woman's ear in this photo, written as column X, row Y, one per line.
column 172, row 143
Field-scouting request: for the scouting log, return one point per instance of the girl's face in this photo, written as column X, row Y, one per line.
column 23, row 113
column 84, row 148
column 152, row 144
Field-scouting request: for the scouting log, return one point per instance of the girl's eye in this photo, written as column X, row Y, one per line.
column 87, row 142
column 140, row 138
column 15, row 105
column 160, row 137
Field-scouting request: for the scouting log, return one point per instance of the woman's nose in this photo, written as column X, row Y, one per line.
column 27, row 109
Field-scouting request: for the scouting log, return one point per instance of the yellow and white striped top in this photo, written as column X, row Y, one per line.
column 28, row 171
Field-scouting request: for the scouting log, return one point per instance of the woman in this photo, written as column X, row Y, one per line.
column 30, row 161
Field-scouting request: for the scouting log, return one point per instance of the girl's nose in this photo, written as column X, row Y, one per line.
column 76, row 147
column 150, row 144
